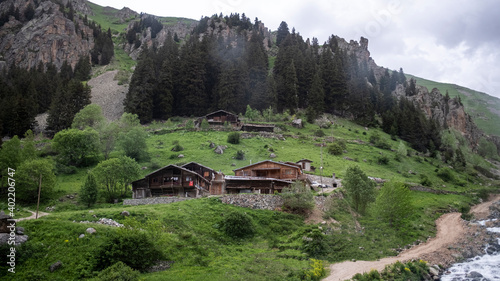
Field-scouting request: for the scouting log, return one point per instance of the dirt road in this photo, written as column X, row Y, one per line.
column 33, row 216
column 450, row 228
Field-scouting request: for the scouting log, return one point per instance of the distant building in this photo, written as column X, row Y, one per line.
column 305, row 164
column 219, row 118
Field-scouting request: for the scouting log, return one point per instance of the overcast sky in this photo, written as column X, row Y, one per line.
column 452, row 41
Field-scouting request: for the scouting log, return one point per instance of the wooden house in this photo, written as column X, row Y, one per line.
column 258, row 128
column 263, row 177
column 206, row 172
column 305, row 164
column 219, row 118
column 171, row 180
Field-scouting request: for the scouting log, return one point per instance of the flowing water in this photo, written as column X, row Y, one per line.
column 481, row 268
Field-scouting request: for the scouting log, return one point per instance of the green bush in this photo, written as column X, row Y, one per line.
column 445, row 174
column 117, row 272
column 238, row 225
column 425, row 181
column 234, row 138
column 297, row 198
column 240, row 155
column 383, row 160
column 131, row 247
column 177, row 148
column 319, row 133
column 335, row 149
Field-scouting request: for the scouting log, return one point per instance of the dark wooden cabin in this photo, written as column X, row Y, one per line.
column 218, row 118
column 271, row 169
column 206, row 172
column 171, row 181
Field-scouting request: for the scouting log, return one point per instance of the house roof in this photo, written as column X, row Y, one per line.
column 305, row 160
column 269, row 161
column 190, row 163
column 177, row 167
column 244, row 178
column 221, row 111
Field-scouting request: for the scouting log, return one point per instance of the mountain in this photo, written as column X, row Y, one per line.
column 34, row 32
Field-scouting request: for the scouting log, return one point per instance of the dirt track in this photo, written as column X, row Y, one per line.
column 33, row 216
column 449, row 229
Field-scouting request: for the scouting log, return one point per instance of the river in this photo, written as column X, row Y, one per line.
column 485, row 267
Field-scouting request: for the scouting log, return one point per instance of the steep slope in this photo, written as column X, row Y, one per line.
column 47, row 35
column 483, row 108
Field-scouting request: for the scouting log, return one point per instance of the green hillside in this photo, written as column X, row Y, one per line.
column 484, row 109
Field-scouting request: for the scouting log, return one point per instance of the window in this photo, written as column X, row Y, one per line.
column 189, row 178
column 289, row 172
column 155, row 180
column 206, row 174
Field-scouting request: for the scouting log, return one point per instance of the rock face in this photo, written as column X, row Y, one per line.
column 48, row 37
column 448, row 112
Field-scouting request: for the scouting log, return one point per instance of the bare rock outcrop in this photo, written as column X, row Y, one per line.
column 48, row 37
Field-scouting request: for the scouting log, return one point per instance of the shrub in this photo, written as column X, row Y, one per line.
column 319, row 133
column 177, row 148
column 316, row 271
column 383, row 160
column 205, row 126
column 133, row 248
column 238, row 225
column 359, row 188
column 118, row 272
column 240, row 155
column 424, row 180
column 234, row 138
column 446, row 174
column 297, row 198
column 335, row 149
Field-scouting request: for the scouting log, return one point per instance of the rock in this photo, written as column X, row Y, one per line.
column 125, row 213
column 4, row 222
column 81, row 236
column 297, row 123
column 91, row 230
column 474, row 274
column 212, row 145
column 20, row 230
column 433, row 271
column 55, row 266
column 219, row 149
column 181, row 156
column 19, row 239
column 272, row 155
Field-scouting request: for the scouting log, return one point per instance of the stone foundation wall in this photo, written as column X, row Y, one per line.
column 254, row 201
column 153, row 200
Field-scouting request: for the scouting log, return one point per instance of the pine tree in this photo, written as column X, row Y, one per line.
column 282, row 33
column 89, row 190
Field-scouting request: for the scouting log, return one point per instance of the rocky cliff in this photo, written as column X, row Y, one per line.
column 49, row 36
column 448, row 112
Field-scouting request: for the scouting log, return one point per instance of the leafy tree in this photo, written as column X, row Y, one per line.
column 205, row 126
column 107, row 137
column 89, row 191
column 76, row 147
column 233, row 138
column 114, row 176
column 402, row 150
column 90, row 116
column 10, row 157
column 118, row 272
column 298, row 198
column 360, row 189
column 487, row 149
column 28, row 177
column 394, row 204
column 133, row 143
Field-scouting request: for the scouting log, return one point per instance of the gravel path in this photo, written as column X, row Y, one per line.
column 450, row 229
column 108, row 94
column 33, row 216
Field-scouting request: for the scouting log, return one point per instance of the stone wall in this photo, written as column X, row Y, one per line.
column 153, row 200
column 254, row 201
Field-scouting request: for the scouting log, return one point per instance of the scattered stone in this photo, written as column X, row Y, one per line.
column 212, row 145
column 272, row 155
column 474, row 274
column 19, row 239
column 81, row 236
column 144, row 168
column 91, row 230
column 348, row 159
column 4, row 222
column 433, row 271
column 219, row 150
column 55, row 266
column 125, row 213
column 181, row 156
column 20, row 230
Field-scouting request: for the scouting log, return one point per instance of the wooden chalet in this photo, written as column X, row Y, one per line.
column 204, row 171
column 263, row 177
column 171, row 180
column 219, row 118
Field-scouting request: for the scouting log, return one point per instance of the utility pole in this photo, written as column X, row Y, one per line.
column 39, row 190
column 321, row 168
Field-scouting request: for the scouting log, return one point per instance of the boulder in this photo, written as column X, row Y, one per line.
column 125, row 213
column 81, row 236
column 20, row 230
column 181, row 156
column 272, row 155
column 4, row 222
column 219, row 150
column 55, row 266
column 433, row 271
column 297, row 123
column 91, row 230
